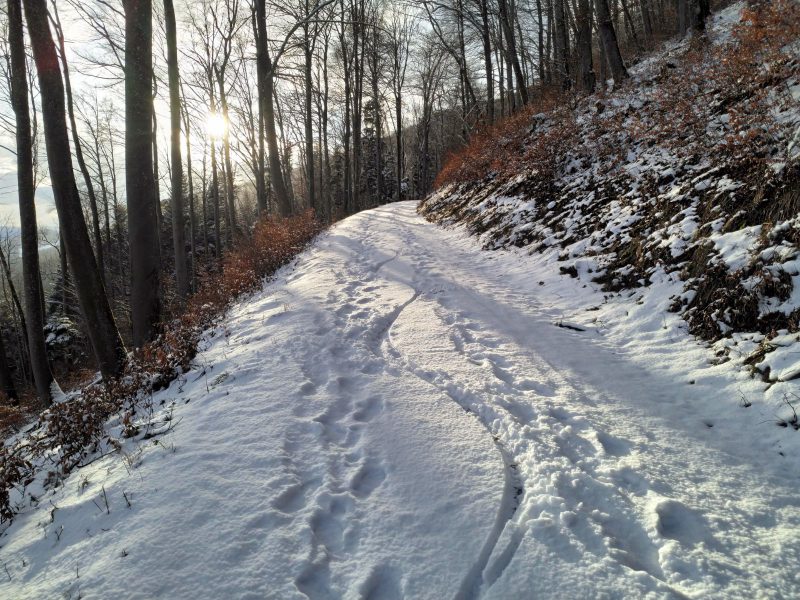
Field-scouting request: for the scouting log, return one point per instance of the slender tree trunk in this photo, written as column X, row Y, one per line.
column 560, row 47
column 29, row 233
column 6, row 381
column 487, row 59
column 261, row 183
column 15, row 297
column 230, row 207
column 698, row 11
column 106, row 212
column 376, row 100
column 358, row 83
column 308, row 116
column 192, row 221
column 629, row 26
column 178, row 233
column 264, row 63
column 261, row 180
column 192, row 267
column 549, row 41
column 468, row 99
column 140, row 182
column 511, row 49
column 585, row 75
column 76, row 142
column 541, row 65
column 103, row 335
column 204, row 205
column 156, row 177
column 682, row 13
column 512, row 96
column 215, row 201
column 501, row 70
column 348, row 174
column 647, row 21
column 608, row 36
column 324, row 129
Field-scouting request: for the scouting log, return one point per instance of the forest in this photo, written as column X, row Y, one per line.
column 166, row 132
column 461, row 299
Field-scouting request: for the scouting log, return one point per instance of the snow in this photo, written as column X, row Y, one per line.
column 398, row 415
column 735, row 247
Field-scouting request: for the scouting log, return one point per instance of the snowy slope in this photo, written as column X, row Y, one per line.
column 681, row 189
column 398, row 415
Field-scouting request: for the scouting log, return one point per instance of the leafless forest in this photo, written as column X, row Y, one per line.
column 163, row 132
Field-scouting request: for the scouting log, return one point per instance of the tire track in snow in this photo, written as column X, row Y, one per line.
column 496, row 407
column 377, row 339
column 513, row 489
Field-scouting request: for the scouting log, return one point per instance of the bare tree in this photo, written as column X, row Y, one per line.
column 102, row 330
column 76, row 140
column 608, row 36
column 140, row 183
column 178, row 227
column 29, row 231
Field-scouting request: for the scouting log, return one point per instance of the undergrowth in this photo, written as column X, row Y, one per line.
column 78, row 428
column 640, row 180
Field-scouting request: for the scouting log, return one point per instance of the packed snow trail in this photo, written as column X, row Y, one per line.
column 397, row 416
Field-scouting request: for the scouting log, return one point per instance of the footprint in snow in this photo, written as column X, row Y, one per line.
column 369, row 477
column 292, row 499
column 383, row 583
column 613, row 446
column 368, row 409
column 678, row 522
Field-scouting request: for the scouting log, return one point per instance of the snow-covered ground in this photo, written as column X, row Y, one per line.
column 400, row 415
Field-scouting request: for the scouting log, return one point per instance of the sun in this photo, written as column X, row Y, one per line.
column 216, row 125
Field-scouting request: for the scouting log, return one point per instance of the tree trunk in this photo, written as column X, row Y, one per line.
column 699, row 10
column 156, row 178
column 103, row 335
column 560, row 47
column 6, row 381
column 682, row 13
column 264, row 63
column 308, row 117
column 487, row 61
column 29, row 233
column 76, row 141
column 15, row 297
column 214, row 175
column 585, row 75
column 348, row 174
column 192, row 268
column 106, row 212
column 647, row 21
column 540, row 32
column 358, row 86
column 230, row 207
column 376, row 100
column 511, row 49
column 609, row 38
column 261, row 184
column 324, row 128
column 143, row 223
column 178, row 233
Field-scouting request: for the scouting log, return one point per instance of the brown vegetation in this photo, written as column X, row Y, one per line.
column 73, row 429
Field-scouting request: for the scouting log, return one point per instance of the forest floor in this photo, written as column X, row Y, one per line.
column 400, row 414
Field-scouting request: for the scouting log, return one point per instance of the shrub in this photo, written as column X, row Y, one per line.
column 70, row 431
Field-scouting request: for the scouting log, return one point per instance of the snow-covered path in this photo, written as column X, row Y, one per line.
column 398, row 417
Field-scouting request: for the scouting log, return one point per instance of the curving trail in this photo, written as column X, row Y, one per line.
column 398, row 417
